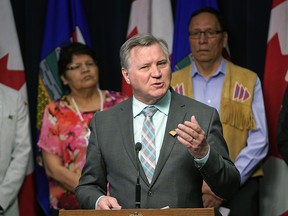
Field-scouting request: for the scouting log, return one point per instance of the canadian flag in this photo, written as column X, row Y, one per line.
column 274, row 190
column 148, row 16
column 12, row 74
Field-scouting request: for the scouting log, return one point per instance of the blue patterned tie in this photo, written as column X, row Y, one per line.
column 148, row 153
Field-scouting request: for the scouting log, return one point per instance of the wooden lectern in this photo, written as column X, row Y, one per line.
column 144, row 212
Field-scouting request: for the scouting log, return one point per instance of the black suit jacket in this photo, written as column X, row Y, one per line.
column 177, row 182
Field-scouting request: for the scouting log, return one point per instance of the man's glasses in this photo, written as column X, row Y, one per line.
column 207, row 33
column 76, row 67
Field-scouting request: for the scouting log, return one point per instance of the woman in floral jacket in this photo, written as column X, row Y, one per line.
column 65, row 127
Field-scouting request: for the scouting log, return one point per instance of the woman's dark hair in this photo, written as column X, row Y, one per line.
column 69, row 51
column 213, row 11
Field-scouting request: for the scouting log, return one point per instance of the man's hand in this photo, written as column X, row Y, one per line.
column 192, row 136
column 210, row 200
column 108, row 202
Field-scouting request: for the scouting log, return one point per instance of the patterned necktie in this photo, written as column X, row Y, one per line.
column 148, row 153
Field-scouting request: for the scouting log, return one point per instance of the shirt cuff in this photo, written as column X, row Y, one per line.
column 96, row 204
column 200, row 162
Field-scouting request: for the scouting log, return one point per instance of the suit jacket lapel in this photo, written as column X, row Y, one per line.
column 125, row 116
column 177, row 114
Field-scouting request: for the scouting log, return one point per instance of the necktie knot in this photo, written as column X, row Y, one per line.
column 149, row 111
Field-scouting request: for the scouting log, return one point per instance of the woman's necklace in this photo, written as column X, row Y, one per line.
column 81, row 117
column 77, row 108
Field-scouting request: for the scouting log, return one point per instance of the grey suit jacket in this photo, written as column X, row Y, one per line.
column 177, row 182
column 15, row 147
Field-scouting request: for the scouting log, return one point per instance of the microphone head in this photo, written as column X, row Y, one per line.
column 138, row 146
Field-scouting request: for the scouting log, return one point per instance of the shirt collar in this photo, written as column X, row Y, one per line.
column 162, row 105
column 221, row 69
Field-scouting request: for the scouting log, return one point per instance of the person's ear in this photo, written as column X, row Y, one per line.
column 125, row 74
column 64, row 80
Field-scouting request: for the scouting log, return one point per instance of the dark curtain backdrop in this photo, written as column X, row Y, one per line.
column 247, row 20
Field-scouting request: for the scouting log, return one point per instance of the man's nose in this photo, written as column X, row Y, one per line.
column 156, row 71
column 203, row 37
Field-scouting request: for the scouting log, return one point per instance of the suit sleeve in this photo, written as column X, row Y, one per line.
column 219, row 172
column 92, row 183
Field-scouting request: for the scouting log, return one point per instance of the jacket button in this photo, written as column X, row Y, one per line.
column 150, row 193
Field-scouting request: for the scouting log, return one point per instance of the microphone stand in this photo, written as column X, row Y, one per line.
column 138, row 147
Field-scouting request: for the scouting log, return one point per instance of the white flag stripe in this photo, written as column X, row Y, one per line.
column 278, row 25
column 162, row 21
column 139, row 16
column 9, row 43
column 153, row 17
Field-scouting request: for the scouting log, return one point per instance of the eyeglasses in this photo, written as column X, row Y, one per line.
column 77, row 66
column 207, row 33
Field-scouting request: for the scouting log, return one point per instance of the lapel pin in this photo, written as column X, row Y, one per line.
column 173, row 133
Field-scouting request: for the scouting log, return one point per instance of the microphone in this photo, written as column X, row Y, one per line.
column 138, row 147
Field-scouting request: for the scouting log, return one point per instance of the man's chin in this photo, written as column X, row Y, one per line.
column 159, row 94
column 203, row 58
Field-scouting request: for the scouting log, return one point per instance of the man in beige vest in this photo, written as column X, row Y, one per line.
column 237, row 95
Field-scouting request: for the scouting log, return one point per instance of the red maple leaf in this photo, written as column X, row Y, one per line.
column 12, row 78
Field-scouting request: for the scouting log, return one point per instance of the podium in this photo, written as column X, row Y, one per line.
column 144, row 212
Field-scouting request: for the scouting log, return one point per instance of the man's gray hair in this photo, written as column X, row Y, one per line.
column 141, row 40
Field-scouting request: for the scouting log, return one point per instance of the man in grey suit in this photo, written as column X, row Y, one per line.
column 188, row 141
column 15, row 147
